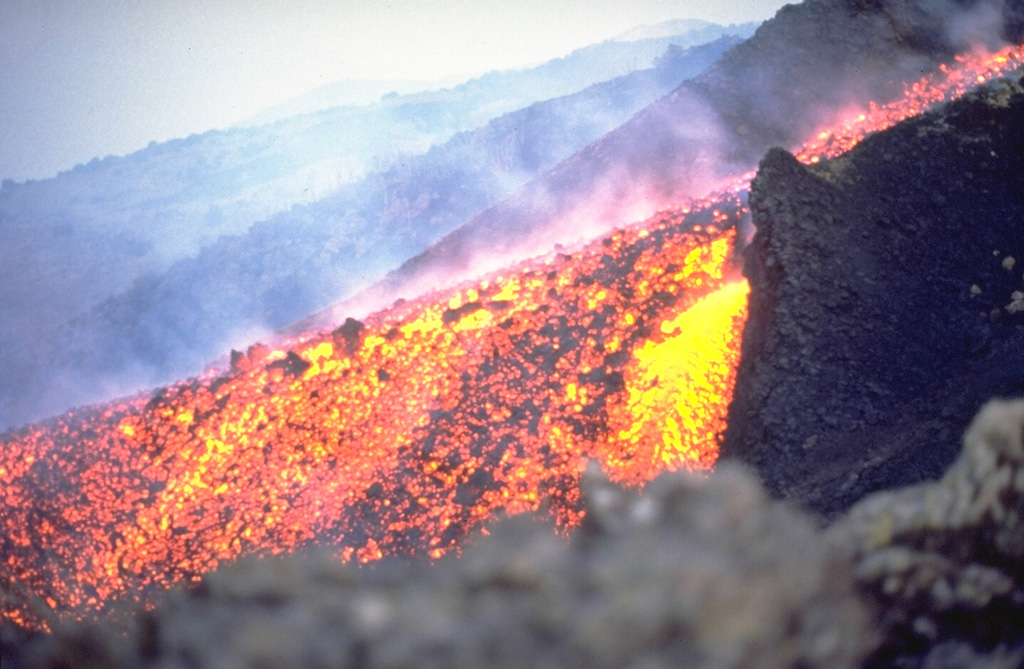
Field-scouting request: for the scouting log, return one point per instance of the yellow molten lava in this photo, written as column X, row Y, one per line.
column 678, row 389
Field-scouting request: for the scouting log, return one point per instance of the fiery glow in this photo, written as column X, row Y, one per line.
column 678, row 385
column 398, row 435
column 949, row 82
column 403, row 433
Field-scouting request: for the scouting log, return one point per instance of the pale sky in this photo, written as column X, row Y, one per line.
column 87, row 78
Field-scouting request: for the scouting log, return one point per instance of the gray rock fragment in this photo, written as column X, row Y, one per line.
column 944, row 561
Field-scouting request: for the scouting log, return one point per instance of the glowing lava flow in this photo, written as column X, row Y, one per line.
column 398, row 435
column 949, row 82
column 405, row 432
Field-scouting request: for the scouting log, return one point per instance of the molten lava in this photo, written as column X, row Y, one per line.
column 401, row 434
column 394, row 436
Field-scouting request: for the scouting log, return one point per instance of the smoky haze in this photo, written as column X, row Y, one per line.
column 131, row 272
column 808, row 67
column 515, row 186
column 79, row 81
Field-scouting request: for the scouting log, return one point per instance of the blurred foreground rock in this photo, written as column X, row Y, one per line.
column 944, row 561
column 694, row 572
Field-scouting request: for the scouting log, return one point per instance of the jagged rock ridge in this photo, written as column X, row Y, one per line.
column 884, row 302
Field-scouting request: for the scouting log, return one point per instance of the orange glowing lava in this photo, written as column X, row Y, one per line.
column 397, row 435
column 403, row 433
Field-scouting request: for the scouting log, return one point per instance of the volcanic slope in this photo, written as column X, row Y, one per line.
column 703, row 572
column 395, row 435
column 810, row 65
column 402, row 433
column 887, row 302
column 67, row 346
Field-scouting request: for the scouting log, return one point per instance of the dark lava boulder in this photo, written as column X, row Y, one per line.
column 885, row 307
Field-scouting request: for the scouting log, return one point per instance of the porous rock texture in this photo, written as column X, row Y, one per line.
column 944, row 561
column 882, row 305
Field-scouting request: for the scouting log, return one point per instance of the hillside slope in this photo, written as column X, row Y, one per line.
column 168, row 324
column 68, row 242
column 809, row 65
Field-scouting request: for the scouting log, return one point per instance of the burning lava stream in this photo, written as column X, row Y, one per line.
column 403, row 433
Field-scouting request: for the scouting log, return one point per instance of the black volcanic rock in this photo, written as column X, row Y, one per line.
column 942, row 560
column 885, row 302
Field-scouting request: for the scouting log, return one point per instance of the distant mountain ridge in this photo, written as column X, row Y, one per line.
column 663, row 29
column 636, row 49
column 345, row 93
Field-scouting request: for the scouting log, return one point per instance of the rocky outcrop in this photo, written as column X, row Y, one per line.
column 882, row 306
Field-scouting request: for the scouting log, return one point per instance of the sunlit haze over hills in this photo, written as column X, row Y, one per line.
column 86, row 80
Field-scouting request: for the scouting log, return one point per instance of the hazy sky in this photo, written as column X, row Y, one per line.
column 80, row 79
